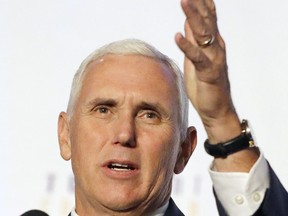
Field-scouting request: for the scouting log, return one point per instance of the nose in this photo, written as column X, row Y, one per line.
column 125, row 131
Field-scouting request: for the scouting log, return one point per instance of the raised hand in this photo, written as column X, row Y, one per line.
column 205, row 70
column 207, row 83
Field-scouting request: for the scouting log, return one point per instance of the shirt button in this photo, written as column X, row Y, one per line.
column 256, row 197
column 239, row 199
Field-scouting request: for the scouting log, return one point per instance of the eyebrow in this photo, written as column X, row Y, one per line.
column 143, row 105
column 152, row 106
column 103, row 101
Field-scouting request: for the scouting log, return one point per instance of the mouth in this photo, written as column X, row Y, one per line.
column 121, row 169
column 124, row 167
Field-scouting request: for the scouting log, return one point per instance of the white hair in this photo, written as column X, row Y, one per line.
column 133, row 47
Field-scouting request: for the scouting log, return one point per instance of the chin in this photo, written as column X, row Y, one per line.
column 123, row 204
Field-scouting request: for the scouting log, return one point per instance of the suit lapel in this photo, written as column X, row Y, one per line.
column 173, row 210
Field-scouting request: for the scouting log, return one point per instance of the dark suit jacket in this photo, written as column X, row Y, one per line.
column 173, row 210
column 275, row 202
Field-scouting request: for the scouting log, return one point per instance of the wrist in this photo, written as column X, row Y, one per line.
column 237, row 154
column 241, row 161
column 223, row 129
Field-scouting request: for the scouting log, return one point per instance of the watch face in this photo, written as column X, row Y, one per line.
column 247, row 129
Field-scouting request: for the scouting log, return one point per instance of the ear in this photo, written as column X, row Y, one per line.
column 64, row 136
column 186, row 150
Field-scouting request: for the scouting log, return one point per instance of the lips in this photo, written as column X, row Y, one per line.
column 121, row 166
column 118, row 169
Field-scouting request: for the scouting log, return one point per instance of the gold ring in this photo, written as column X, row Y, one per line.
column 207, row 42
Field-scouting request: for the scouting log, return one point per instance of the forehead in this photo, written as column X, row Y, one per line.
column 142, row 64
column 129, row 73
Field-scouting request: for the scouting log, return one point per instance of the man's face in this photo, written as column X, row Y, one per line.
column 124, row 135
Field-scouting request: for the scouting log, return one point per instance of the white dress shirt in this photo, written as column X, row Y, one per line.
column 242, row 193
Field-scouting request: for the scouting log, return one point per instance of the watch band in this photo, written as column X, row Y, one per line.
column 243, row 141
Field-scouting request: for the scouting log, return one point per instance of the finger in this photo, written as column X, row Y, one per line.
column 212, row 8
column 193, row 53
column 218, row 48
column 200, row 19
column 189, row 34
column 202, row 7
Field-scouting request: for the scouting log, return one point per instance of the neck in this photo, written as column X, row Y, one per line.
column 143, row 209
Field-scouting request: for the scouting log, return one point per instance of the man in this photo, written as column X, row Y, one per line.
column 126, row 131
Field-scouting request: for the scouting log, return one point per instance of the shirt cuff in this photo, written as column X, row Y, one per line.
column 242, row 193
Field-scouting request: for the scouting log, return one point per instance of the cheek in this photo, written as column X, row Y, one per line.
column 161, row 148
column 87, row 143
column 159, row 161
column 86, row 135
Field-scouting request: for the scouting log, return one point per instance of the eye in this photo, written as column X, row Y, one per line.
column 149, row 116
column 102, row 111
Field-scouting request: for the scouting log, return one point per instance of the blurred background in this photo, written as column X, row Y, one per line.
column 42, row 44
